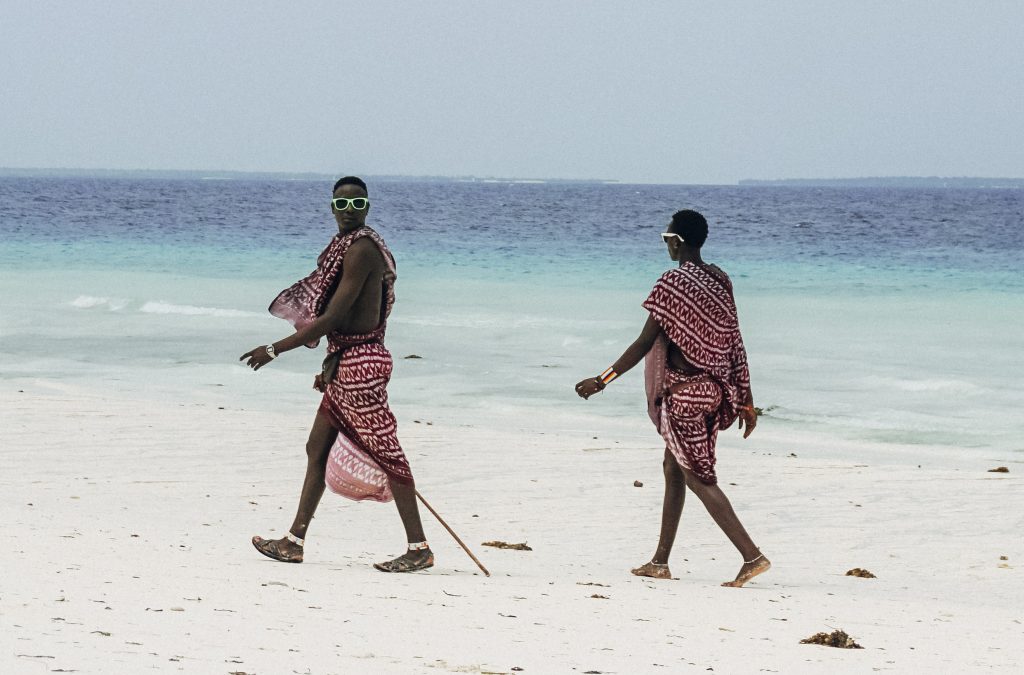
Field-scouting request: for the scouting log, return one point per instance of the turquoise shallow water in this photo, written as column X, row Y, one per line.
column 889, row 317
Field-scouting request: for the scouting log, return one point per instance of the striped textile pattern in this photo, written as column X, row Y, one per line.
column 694, row 306
column 689, row 422
column 695, row 309
column 366, row 453
column 307, row 298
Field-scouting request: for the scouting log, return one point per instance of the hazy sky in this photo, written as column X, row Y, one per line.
column 691, row 92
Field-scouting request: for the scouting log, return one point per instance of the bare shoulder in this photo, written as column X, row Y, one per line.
column 364, row 251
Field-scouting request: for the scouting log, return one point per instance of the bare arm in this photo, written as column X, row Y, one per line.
column 362, row 262
column 634, row 352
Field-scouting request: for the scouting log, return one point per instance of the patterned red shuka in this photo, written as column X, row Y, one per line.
column 367, row 452
column 694, row 306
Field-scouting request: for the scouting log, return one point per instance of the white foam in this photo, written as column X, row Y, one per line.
column 93, row 302
column 926, row 385
column 461, row 321
column 159, row 307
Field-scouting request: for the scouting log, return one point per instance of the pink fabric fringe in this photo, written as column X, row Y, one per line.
column 353, row 474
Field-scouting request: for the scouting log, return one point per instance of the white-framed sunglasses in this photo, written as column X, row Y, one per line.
column 668, row 236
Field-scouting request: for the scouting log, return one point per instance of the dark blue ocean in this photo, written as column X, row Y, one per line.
column 847, row 236
column 877, row 316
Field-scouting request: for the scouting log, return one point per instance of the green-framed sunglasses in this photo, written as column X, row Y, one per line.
column 358, row 203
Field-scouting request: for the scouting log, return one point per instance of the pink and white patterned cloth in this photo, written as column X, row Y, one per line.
column 694, row 307
column 366, row 454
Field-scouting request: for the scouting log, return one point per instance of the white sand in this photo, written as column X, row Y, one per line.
column 128, row 520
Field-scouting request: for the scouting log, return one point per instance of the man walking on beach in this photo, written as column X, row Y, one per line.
column 348, row 299
column 697, row 383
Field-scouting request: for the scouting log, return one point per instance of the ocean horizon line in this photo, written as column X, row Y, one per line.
column 230, row 174
column 979, row 182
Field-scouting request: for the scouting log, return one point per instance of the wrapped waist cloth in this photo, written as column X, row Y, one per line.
column 366, row 453
column 689, row 422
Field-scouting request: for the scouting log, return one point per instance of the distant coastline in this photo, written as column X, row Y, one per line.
column 891, row 182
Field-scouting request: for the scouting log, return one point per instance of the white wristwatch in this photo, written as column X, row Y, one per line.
column 271, row 353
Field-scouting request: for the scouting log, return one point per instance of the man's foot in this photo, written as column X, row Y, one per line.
column 758, row 565
column 410, row 561
column 281, row 550
column 653, row 570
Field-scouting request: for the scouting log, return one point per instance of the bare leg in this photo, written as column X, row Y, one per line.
column 411, row 560
column 405, row 500
column 671, row 508
column 318, row 448
column 721, row 511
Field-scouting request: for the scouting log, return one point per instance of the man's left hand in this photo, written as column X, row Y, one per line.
column 258, row 357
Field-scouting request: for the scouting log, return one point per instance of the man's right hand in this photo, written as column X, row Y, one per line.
column 258, row 357
column 748, row 417
column 588, row 387
column 318, row 383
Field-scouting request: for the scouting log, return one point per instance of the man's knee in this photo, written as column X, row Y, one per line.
column 694, row 483
column 317, row 450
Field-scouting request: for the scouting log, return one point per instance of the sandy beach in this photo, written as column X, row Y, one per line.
column 169, row 172
column 129, row 520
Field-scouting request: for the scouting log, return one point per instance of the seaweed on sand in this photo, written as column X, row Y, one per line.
column 837, row 638
column 505, row 544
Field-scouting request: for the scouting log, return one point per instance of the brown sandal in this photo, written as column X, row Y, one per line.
column 404, row 564
column 272, row 549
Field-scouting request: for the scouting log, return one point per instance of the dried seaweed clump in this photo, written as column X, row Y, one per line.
column 837, row 638
column 862, row 573
column 505, row 544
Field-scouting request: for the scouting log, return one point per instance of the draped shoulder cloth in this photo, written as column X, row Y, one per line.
column 695, row 308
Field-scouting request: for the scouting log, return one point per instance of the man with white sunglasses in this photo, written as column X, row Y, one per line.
column 697, row 383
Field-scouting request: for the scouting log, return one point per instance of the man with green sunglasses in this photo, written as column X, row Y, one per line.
column 353, row 447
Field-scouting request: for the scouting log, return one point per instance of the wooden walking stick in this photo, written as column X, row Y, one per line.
column 454, row 536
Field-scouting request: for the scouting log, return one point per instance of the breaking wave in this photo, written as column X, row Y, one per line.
column 93, row 302
column 192, row 310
